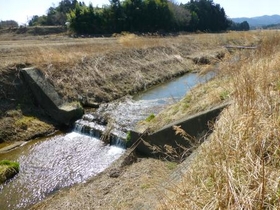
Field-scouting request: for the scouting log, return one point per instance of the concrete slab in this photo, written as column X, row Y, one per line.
column 48, row 98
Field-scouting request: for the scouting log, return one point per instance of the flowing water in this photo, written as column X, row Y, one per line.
column 50, row 164
column 127, row 112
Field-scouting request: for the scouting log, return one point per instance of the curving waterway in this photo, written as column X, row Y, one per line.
column 129, row 111
column 50, row 164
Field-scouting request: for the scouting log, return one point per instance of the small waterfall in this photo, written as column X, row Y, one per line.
column 95, row 126
column 118, row 138
column 92, row 129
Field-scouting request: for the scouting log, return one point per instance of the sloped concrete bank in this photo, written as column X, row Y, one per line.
column 197, row 128
column 47, row 97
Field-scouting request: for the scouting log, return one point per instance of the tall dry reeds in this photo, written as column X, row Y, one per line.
column 238, row 167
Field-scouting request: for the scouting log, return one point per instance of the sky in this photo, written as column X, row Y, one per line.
column 23, row 10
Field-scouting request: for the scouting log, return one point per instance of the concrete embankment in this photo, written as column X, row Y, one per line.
column 47, row 97
column 196, row 127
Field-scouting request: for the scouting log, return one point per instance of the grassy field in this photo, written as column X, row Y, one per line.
column 237, row 168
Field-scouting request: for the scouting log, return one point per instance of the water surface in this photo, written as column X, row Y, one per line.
column 128, row 112
column 49, row 165
column 63, row 160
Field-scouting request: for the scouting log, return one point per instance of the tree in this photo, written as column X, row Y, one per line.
column 157, row 15
column 55, row 15
column 38, row 20
column 117, row 15
column 8, row 24
column 207, row 16
column 85, row 20
column 181, row 17
column 134, row 12
column 244, row 26
column 140, row 16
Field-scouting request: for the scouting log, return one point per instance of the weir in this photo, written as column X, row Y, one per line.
column 47, row 165
column 97, row 127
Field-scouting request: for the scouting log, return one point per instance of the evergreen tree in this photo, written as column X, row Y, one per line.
column 181, row 17
column 136, row 16
column 55, row 15
column 244, row 26
column 207, row 16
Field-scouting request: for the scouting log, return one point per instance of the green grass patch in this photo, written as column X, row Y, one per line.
column 145, row 186
column 171, row 165
column 24, row 122
column 224, row 95
column 8, row 169
column 278, row 85
column 128, row 136
column 12, row 164
column 148, row 119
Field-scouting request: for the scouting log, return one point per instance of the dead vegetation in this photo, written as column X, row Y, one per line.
column 101, row 69
column 238, row 167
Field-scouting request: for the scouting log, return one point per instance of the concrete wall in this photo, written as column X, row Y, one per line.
column 196, row 126
column 47, row 97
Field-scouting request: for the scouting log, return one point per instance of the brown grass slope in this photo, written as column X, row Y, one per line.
column 99, row 69
column 96, row 195
column 238, row 168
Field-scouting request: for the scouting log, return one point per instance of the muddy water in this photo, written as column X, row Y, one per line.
column 49, row 165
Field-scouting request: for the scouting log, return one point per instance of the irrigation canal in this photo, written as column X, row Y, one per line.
column 53, row 163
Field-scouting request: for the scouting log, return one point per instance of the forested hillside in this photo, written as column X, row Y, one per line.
column 136, row 16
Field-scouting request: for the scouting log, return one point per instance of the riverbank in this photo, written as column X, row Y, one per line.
column 143, row 64
column 97, row 70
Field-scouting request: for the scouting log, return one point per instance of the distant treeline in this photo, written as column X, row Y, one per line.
column 8, row 24
column 138, row 16
column 272, row 26
column 243, row 26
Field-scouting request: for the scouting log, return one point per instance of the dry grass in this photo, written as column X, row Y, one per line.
column 215, row 91
column 99, row 69
column 238, row 168
column 78, row 65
